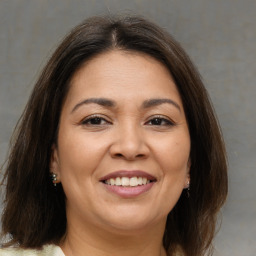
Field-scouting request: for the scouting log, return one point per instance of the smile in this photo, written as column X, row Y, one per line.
column 127, row 182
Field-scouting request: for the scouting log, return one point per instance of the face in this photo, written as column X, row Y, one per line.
column 123, row 144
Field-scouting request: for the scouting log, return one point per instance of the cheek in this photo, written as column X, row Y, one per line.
column 174, row 163
column 79, row 154
column 173, row 154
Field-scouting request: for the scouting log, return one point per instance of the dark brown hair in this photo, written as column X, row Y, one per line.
column 34, row 212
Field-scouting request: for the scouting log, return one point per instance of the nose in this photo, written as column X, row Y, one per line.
column 129, row 143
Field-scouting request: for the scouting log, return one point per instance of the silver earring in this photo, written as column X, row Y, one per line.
column 53, row 177
column 188, row 189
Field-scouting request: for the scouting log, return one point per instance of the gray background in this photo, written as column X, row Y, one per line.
column 219, row 35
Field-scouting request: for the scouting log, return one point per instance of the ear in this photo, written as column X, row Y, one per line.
column 54, row 163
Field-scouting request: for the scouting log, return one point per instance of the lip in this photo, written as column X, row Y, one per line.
column 128, row 192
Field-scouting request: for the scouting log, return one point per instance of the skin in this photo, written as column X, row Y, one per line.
column 126, row 136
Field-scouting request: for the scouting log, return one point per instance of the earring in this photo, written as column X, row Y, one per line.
column 53, row 177
column 188, row 189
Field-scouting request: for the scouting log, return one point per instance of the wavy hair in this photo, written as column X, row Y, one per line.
column 34, row 211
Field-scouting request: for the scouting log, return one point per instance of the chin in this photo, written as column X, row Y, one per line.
column 130, row 221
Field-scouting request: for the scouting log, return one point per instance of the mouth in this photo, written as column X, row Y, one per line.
column 128, row 178
column 128, row 183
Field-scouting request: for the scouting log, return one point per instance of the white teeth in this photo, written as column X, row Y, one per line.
column 126, row 182
column 118, row 182
column 133, row 181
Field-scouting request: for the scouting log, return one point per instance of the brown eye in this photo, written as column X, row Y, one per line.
column 94, row 120
column 160, row 121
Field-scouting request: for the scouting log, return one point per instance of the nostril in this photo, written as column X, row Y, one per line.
column 129, row 150
column 129, row 157
column 136, row 156
column 118, row 155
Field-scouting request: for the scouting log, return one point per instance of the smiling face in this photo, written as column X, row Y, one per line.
column 123, row 144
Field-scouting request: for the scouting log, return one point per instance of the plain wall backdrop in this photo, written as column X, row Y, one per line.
column 220, row 37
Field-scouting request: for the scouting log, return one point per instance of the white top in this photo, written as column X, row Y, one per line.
column 48, row 250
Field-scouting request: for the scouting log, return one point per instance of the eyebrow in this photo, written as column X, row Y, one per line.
column 110, row 103
column 156, row 102
column 100, row 101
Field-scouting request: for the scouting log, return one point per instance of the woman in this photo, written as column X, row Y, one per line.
column 121, row 122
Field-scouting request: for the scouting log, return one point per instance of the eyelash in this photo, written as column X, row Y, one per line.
column 160, row 121
column 88, row 120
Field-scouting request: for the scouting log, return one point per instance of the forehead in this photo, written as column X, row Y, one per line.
column 119, row 73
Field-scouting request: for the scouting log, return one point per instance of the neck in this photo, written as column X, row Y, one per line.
column 99, row 242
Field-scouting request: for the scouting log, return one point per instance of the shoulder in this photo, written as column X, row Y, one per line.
column 47, row 250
